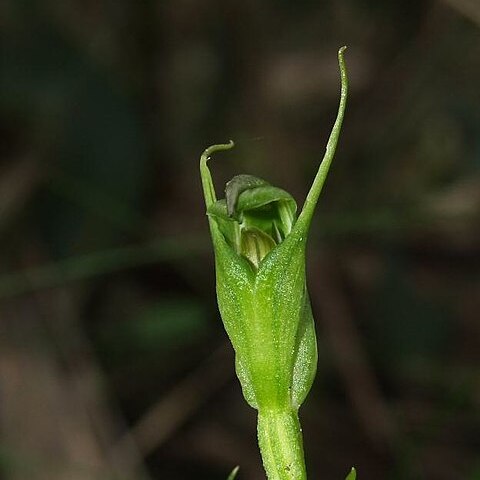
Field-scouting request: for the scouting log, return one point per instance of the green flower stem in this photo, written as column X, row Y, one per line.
column 281, row 445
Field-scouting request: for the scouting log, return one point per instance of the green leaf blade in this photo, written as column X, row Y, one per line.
column 233, row 473
column 352, row 475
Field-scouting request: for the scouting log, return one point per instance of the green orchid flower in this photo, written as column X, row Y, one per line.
column 259, row 245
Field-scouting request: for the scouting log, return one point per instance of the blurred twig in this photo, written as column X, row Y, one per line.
column 93, row 198
column 98, row 263
column 16, row 185
column 84, row 379
column 171, row 411
column 350, row 355
column 65, row 397
column 85, row 266
column 467, row 8
column 53, row 411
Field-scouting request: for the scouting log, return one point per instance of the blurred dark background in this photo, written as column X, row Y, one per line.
column 114, row 363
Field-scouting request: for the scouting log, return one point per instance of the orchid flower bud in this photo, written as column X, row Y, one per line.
column 254, row 217
column 259, row 246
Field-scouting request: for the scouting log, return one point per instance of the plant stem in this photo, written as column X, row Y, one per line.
column 281, row 444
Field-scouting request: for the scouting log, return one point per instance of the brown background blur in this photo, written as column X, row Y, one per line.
column 113, row 360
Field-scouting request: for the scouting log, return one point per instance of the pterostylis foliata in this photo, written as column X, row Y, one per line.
column 259, row 243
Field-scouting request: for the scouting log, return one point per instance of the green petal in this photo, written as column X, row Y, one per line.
column 218, row 209
column 236, row 186
column 264, row 216
column 264, row 195
column 268, row 208
column 255, row 245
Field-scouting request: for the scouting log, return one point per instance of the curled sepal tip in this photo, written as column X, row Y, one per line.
column 207, row 183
